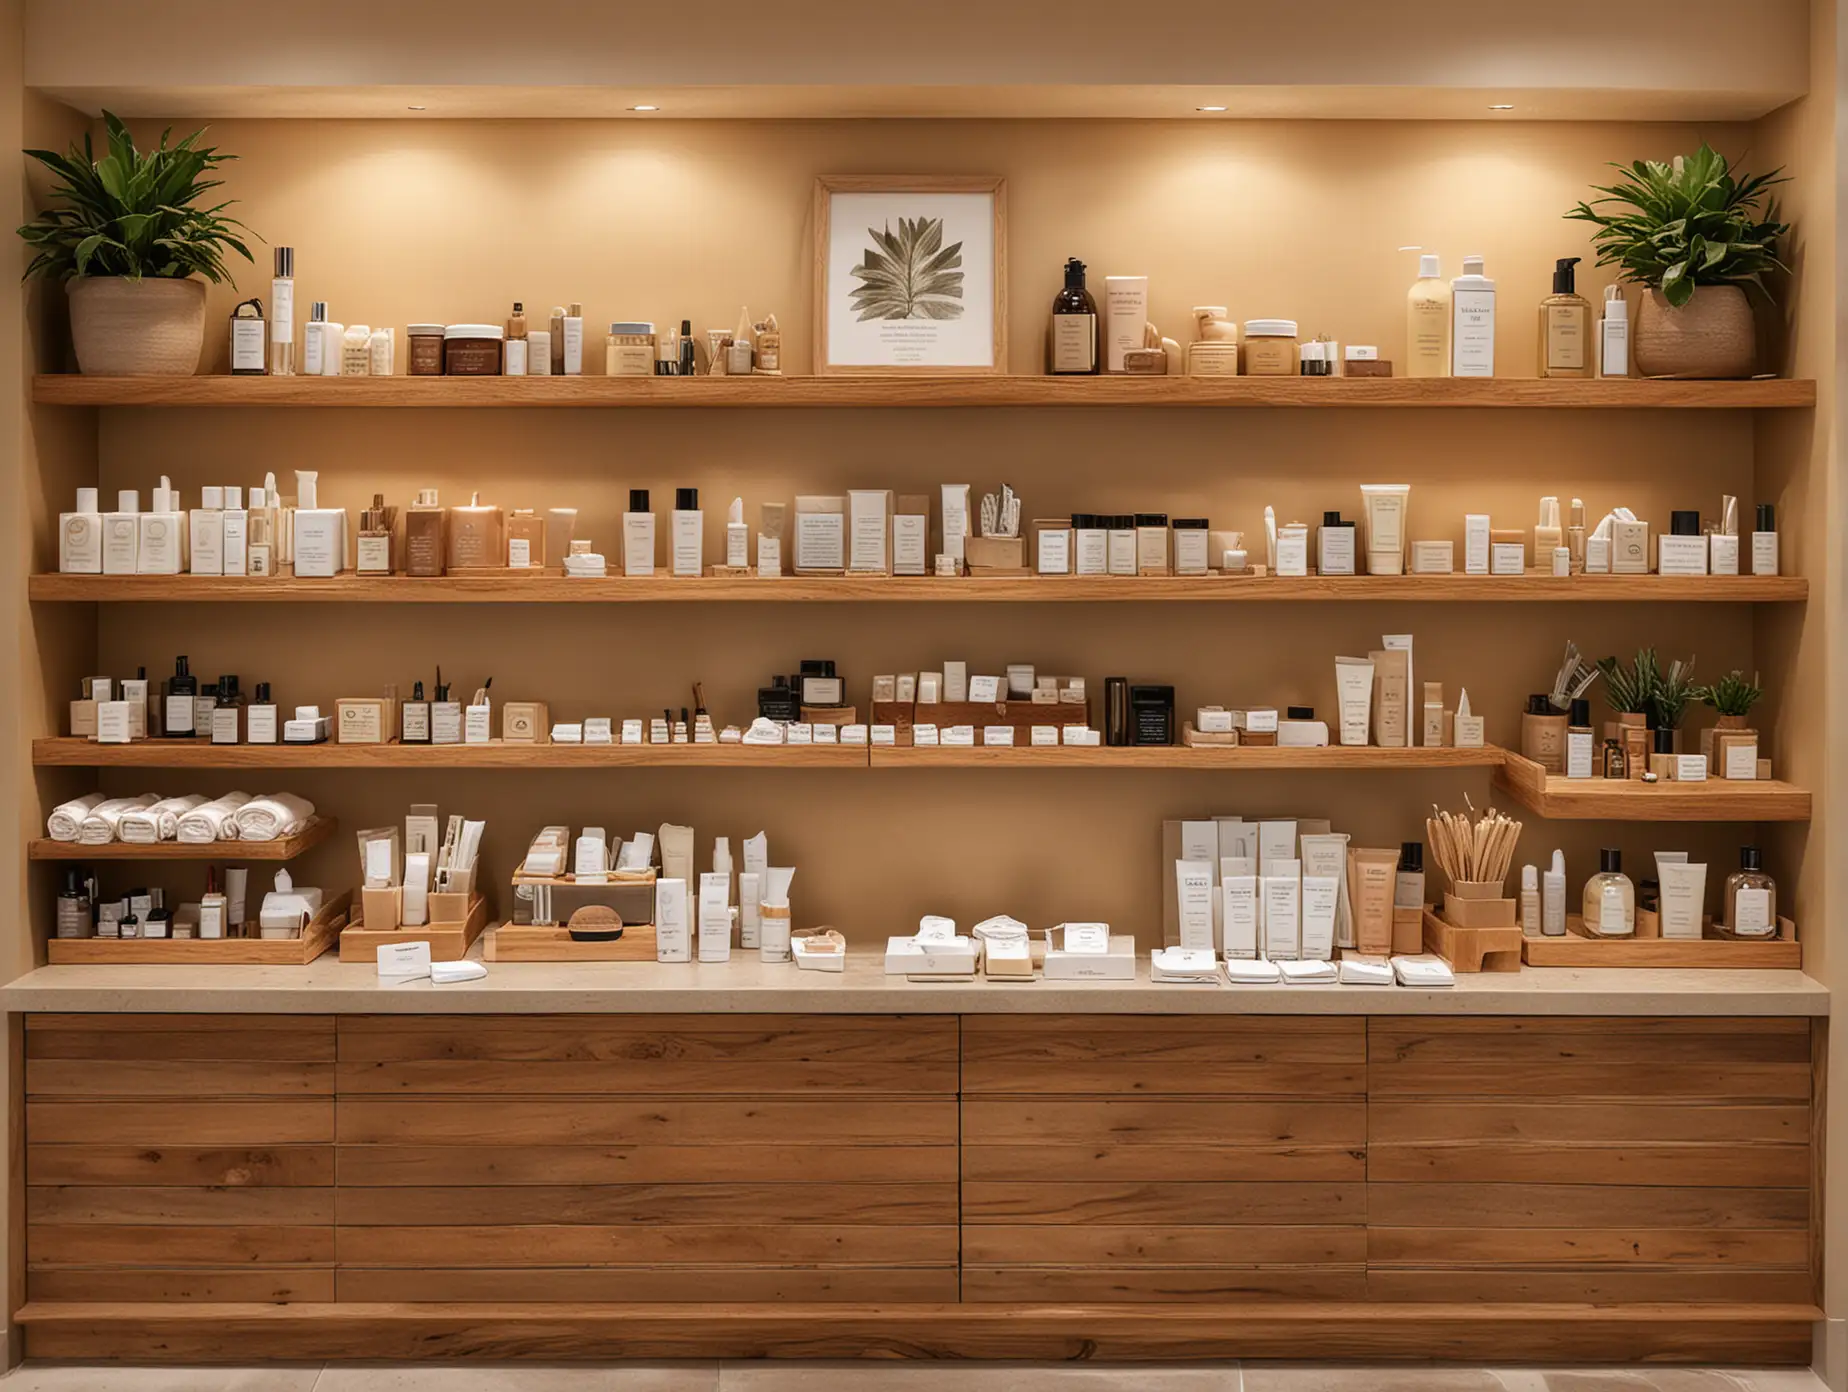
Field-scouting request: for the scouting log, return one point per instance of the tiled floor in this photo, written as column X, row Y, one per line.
column 905, row 1377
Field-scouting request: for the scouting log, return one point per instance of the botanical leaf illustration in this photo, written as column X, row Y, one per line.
column 909, row 274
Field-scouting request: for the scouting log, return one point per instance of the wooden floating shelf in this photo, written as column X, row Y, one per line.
column 65, row 752
column 1624, row 799
column 1179, row 757
column 857, row 392
column 319, row 935
column 283, row 848
column 557, row 589
column 1581, row 949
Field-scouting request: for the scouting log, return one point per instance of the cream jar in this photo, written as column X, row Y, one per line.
column 631, row 349
column 1270, row 348
column 426, row 349
column 472, row 350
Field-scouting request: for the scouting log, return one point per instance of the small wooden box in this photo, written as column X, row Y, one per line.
column 527, row 943
column 995, row 555
column 1473, row 949
column 1479, row 906
column 525, row 722
column 450, row 933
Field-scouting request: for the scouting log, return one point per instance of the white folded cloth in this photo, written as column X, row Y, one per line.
column 273, row 815
column 99, row 828
column 212, row 821
column 161, row 822
column 66, row 820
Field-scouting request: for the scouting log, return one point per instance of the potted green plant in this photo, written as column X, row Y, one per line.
column 134, row 243
column 1674, row 692
column 1693, row 236
column 1732, row 698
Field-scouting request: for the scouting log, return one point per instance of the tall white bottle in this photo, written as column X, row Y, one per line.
column 1427, row 322
column 1472, row 322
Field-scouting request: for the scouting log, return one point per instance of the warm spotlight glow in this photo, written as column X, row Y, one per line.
column 1502, row 106
column 416, row 108
column 644, row 107
column 1209, row 108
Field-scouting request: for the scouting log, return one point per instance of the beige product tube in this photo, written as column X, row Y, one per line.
column 676, row 843
column 1371, row 873
column 1354, row 686
column 1684, row 899
column 1391, row 683
column 1386, row 507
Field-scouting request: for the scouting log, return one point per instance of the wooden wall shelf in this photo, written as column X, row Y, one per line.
column 557, row 589
column 1612, row 799
column 283, row 848
column 1178, row 757
column 69, row 389
column 202, row 754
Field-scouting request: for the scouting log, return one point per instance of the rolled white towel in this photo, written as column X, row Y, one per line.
column 211, row 821
column 161, row 822
column 99, row 828
column 273, row 815
column 66, row 820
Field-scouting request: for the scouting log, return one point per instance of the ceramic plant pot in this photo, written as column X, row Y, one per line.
column 1711, row 336
column 137, row 328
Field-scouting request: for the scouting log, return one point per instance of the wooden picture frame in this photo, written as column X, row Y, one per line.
column 963, row 329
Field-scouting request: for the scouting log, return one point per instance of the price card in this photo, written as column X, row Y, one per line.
column 959, row 735
column 998, row 734
column 984, row 688
column 1091, row 938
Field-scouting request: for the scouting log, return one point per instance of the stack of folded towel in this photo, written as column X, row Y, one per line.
column 66, row 820
column 99, row 828
column 212, row 821
column 272, row 816
column 160, row 822
column 97, row 820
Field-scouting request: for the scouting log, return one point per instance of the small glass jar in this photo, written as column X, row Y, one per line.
column 1751, row 900
column 426, row 349
column 630, row 351
column 1610, row 899
column 1270, row 348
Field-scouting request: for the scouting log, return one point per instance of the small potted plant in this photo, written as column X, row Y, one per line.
column 1674, row 692
column 1693, row 236
column 1732, row 698
column 134, row 243
column 1631, row 693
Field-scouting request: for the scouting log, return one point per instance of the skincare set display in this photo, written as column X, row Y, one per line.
column 1673, row 905
column 221, row 913
column 1644, row 739
column 421, row 876
column 1450, row 332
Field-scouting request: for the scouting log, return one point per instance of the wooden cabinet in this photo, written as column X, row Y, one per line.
column 201, row 1187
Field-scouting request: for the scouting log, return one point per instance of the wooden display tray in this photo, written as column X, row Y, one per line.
column 1473, row 949
column 1581, row 949
column 512, row 943
column 283, row 848
column 1629, row 799
column 319, row 935
column 449, row 942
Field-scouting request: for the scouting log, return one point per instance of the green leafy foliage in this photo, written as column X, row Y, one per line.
column 134, row 213
column 1686, row 223
column 1732, row 694
column 1632, row 690
column 909, row 274
column 1674, row 690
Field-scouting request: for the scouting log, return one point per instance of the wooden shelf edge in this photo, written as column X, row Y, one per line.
column 285, row 848
column 1334, row 757
column 69, row 389
column 1601, row 799
column 66, row 752
column 557, row 589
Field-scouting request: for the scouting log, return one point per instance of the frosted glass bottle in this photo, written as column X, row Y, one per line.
column 1610, row 899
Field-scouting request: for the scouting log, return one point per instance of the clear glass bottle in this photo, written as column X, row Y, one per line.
column 1751, row 900
column 282, row 315
column 1610, row 899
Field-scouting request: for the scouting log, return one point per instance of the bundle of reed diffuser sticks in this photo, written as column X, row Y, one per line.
column 1472, row 852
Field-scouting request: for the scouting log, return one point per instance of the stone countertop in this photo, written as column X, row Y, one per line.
column 747, row 986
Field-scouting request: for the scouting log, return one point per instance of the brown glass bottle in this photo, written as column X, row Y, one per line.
column 1071, row 347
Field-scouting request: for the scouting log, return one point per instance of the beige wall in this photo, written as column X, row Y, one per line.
column 675, row 220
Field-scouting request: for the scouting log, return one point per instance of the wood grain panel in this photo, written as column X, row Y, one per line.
column 1632, row 1162
column 285, row 1038
column 669, row 1076
column 1234, row 1284
column 424, row 1165
column 619, row 1122
column 1035, row 1201
column 1635, row 1245
column 1150, row 1123
column 1390, row 1121
column 226, row 1077
column 1606, row 1285
column 1180, row 1163
column 234, row 1206
column 1551, row 1205
column 1713, row 1332
column 702, row 1285
column 173, row 1165
column 115, row 1244
column 640, row 1041
column 279, row 1284
column 1154, row 1055
column 651, row 1204
column 490, row 1245
column 182, row 1123
column 1110, row 1245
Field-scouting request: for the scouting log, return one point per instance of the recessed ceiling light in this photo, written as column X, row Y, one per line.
column 416, row 108
column 1502, row 106
column 644, row 107
column 1209, row 108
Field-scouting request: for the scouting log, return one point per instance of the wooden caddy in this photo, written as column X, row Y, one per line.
column 1579, row 948
column 456, row 920
column 1477, row 930
column 316, row 938
column 530, row 943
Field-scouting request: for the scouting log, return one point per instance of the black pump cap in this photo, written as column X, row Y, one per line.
column 1151, row 519
column 1191, row 524
column 1299, row 713
column 1684, row 522
column 1539, row 705
column 263, row 696
column 1411, row 857
column 1664, row 741
column 180, row 669
column 1610, row 861
column 1074, row 274
column 1751, row 858
column 70, row 883
column 1581, row 712
column 686, row 500
column 686, row 328
column 638, row 500
column 416, row 691
column 1767, row 518
column 1564, row 276
column 1331, row 519
column 141, row 674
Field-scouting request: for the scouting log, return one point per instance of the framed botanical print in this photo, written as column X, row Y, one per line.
column 910, row 274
